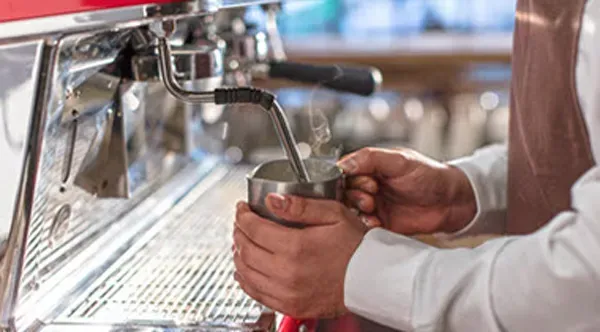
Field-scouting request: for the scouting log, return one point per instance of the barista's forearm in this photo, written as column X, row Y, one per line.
column 547, row 281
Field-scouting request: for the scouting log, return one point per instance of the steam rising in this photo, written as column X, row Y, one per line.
column 319, row 125
column 321, row 134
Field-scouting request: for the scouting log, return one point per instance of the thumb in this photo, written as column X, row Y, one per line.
column 369, row 161
column 306, row 211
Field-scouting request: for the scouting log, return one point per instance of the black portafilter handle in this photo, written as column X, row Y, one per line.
column 362, row 81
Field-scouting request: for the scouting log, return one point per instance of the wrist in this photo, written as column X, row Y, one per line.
column 462, row 207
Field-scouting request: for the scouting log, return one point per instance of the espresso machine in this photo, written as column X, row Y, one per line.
column 116, row 203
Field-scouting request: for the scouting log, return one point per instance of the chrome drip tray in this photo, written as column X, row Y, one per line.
column 181, row 275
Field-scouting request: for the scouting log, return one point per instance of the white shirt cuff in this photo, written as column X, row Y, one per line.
column 487, row 173
column 380, row 278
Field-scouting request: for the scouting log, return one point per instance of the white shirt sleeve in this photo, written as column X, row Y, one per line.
column 487, row 172
column 548, row 281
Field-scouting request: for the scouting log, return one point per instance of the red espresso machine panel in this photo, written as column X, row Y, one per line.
column 12, row 10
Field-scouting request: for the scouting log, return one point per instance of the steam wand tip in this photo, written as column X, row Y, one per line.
column 268, row 102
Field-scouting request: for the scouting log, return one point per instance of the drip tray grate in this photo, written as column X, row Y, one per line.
column 183, row 274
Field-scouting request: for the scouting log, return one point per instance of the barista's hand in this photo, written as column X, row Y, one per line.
column 298, row 272
column 407, row 192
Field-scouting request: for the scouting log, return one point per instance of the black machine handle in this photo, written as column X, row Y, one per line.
column 362, row 81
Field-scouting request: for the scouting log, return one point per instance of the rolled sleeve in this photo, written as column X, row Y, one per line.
column 487, row 173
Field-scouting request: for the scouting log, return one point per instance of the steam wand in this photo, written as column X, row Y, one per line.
column 236, row 96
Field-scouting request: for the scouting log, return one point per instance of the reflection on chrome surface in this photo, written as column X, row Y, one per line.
column 18, row 80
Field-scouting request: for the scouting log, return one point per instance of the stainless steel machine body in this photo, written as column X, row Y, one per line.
column 116, row 202
column 105, row 219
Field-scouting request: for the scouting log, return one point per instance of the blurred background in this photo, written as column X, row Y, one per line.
column 446, row 69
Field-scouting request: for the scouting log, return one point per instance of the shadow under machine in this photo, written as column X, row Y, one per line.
column 117, row 194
